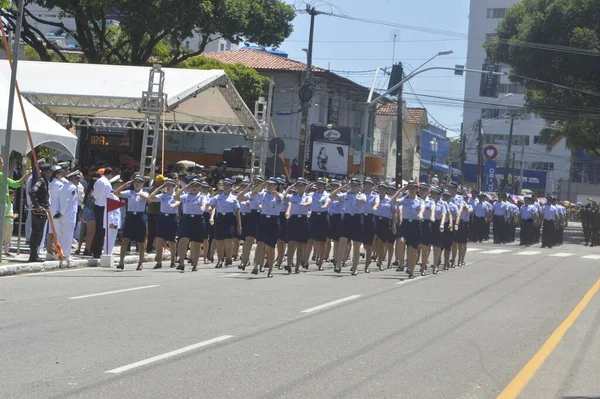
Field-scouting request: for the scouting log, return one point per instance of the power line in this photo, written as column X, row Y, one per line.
column 373, row 41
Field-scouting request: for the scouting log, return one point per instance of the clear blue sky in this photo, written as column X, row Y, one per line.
column 346, row 45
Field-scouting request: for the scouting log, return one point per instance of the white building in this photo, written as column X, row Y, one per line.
column 484, row 17
column 54, row 15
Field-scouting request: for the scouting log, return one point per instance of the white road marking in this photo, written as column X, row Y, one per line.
column 114, row 292
column 561, row 255
column 169, row 354
column 409, row 280
column 52, row 272
column 529, row 253
column 496, row 251
column 473, row 249
column 594, row 257
column 329, row 304
column 232, row 275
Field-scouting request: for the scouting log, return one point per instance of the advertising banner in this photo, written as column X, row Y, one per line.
column 330, row 149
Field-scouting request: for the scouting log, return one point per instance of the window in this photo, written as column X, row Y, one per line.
column 502, row 139
column 513, row 88
column 222, row 47
column 497, row 113
column 187, row 44
column 536, row 139
column 495, row 13
column 546, row 166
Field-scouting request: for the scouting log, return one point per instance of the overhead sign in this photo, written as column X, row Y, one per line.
column 532, row 179
column 490, row 152
column 276, row 146
column 490, row 176
column 330, row 149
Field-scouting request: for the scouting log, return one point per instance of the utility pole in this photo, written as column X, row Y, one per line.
column 399, row 125
column 463, row 150
column 522, row 168
column 306, row 94
column 508, row 151
column 480, row 172
column 570, row 177
column 514, row 180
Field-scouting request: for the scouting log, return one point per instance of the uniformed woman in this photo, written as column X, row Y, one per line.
column 438, row 227
column 250, row 220
column 385, row 227
column 448, row 237
column 134, row 227
column 426, row 227
column 399, row 241
column 283, row 226
column 299, row 229
column 319, row 222
column 269, row 227
column 370, row 206
column 412, row 209
column 166, row 224
column 208, row 237
column 192, row 228
column 462, row 234
column 226, row 218
column 334, row 212
column 352, row 225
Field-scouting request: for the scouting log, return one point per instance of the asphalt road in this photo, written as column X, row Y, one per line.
column 465, row 333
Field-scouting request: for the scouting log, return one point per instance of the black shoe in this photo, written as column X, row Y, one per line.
column 228, row 262
column 411, row 276
column 158, row 266
column 395, row 263
column 78, row 252
column 400, row 269
column 121, row 266
column 279, row 266
column 380, row 267
column 180, row 267
column 320, row 268
column 35, row 259
column 219, row 265
column 354, row 273
column 423, row 273
column 172, row 265
column 139, row 267
column 195, row 268
column 297, row 271
column 270, row 275
column 255, row 271
column 367, row 270
column 337, row 269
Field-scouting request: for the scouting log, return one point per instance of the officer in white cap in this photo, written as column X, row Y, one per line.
column 54, row 188
column 66, row 217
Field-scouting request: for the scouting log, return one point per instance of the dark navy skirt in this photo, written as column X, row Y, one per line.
column 283, row 227
column 134, row 226
column 412, row 232
column 250, row 223
column 462, row 235
column 319, row 226
column 192, row 227
column 437, row 237
column 426, row 233
column 298, row 229
column 269, row 230
column 352, row 226
column 383, row 228
column 368, row 229
column 447, row 237
column 225, row 226
column 166, row 226
column 335, row 226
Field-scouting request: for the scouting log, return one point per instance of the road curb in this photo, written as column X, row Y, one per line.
column 37, row 267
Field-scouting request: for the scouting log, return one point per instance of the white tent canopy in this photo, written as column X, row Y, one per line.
column 109, row 95
column 44, row 130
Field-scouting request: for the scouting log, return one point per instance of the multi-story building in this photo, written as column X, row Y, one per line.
column 495, row 103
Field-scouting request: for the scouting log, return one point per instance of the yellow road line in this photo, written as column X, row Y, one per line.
column 514, row 388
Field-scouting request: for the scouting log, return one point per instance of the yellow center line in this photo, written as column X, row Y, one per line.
column 514, row 388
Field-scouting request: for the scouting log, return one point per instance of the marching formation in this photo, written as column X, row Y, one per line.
column 291, row 226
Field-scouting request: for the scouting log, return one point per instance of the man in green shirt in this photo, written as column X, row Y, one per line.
column 11, row 183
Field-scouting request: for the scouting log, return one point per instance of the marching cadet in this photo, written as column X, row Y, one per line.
column 166, row 224
column 54, row 188
column 462, row 234
column 411, row 212
column 551, row 218
column 299, row 229
column 369, row 209
column 500, row 212
column 66, row 215
column 226, row 218
column 529, row 216
column 426, row 226
column 334, row 213
column 352, row 225
column 250, row 220
column 134, row 228
column 480, row 215
column 192, row 227
column 400, row 242
column 562, row 221
column 385, row 227
column 438, row 228
column 449, row 230
column 538, row 223
column 208, row 239
column 585, row 217
column 319, row 223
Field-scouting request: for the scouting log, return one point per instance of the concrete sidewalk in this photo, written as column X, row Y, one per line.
column 17, row 263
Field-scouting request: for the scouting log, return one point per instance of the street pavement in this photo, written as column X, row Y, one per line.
column 222, row 333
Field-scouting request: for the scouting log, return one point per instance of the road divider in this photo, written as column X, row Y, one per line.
column 114, row 292
column 330, row 304
column 169, row 354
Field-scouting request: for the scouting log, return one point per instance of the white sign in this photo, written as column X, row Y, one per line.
column 330, row 158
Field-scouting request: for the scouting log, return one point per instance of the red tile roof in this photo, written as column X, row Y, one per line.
column 258, row 59
column 413, row 115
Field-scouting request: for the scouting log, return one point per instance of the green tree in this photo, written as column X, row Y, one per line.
column 247, row 81
column 144, row 25
column 556, row 41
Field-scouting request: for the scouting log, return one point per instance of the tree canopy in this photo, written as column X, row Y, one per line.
column 133, row 32
column 556, row 41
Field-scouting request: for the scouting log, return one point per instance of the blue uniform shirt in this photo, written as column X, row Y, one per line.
column 296, row 200
column 192, row 204
column 318, row 200
column 429, row 208
column 371, row 201
column 500, row 208
column 528, row 211
column 252, row 202
column 441, row 208
column 166, row 201
column 335, row 207
column 135, row 203
column 352, row 204
column 480, row 209
column 550, row 212
column 208, row 198
column 225, row 203
column 411, row 207
column 269, row 203
column 385, row 208
column 458, row 200
column 464, row 215
column 453, row 210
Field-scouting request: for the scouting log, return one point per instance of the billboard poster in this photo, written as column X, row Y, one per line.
column 490, row 176
column 330, row 149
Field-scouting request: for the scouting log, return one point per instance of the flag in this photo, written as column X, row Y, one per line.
column 112, row 204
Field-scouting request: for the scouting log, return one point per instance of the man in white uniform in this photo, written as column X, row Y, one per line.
column 67, row 216
column 102, row 190
column 54, row 188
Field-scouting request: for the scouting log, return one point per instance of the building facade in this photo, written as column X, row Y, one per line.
column 494, row 102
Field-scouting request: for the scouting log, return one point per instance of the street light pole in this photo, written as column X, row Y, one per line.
column 508, row 151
